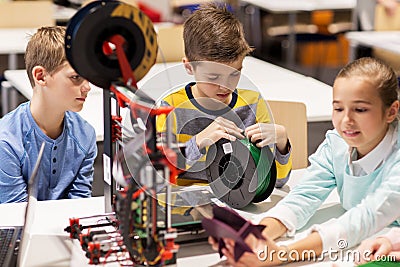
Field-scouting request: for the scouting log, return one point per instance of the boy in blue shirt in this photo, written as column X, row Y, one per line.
column 66, row 169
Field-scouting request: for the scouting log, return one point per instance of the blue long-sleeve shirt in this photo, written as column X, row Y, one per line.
column 66, row 169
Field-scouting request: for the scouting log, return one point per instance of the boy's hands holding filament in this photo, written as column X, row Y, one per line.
column 263, row 134
column 220, row 128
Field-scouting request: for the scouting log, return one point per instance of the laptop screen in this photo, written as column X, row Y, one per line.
column 30, row 208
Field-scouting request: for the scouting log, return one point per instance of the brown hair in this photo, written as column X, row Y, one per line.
column 382, row 76
column 212, row 33
column 46, row 49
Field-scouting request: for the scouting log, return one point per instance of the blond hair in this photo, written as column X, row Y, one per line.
column 212, row 33
column 45, row 48
column 382, row 76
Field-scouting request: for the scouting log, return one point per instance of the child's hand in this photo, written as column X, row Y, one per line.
column 220, row 128
column 373, row 249
column 213, row 243
column 261, row 255
column 268, row 133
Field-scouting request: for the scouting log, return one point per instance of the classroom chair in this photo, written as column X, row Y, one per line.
column 342, row 22
column 316, row 33
column 26, row 14
column 170, row 43
column 384, row 22
column 332, row 46
column 293, row 116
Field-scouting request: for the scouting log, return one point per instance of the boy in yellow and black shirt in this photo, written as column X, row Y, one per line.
column 213, row 108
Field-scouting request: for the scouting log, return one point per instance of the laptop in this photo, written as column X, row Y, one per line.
column 14, row 238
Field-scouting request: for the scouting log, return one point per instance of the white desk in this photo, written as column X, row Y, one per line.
column 304, row 5
column 13, row 42
column 388, row 40
column 275, row 83
column 51, row 217
column 291, row 7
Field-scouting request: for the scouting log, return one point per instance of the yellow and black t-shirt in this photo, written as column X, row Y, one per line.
column 246, row 108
